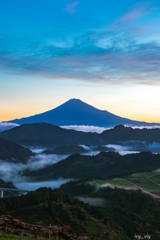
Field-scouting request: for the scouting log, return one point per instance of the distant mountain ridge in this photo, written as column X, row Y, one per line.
column 76, row 112
column 49, row 136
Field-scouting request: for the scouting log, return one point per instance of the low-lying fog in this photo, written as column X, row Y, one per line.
column 94, row 201
column 35, row 185
column 126, row 147
column 85, row 128
column 12, row 171
column 137, row 146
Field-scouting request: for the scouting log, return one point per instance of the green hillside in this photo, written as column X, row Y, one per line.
column 105, row 164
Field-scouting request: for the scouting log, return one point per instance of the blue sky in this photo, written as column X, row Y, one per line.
column 105, row 53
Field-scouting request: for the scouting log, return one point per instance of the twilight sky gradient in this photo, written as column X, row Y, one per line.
column 106, row 53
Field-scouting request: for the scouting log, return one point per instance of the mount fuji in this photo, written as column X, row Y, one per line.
column 77, row 112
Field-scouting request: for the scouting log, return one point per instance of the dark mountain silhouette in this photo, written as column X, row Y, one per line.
column 12, row 152
column 49, row 136
column 76, row 112
column 8, row 185
column 105, row 164
column 66, row 150
column 121, row 133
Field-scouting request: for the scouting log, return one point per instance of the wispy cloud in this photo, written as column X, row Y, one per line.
column 130, row 17
column 114, row 55
column 132, row 63
column 71, row 7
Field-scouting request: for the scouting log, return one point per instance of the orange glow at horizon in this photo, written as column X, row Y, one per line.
column 11, row 114
column 135, row 102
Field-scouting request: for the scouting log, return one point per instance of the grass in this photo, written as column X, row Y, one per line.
column 116, row 182
column 24, row 238
column 144, row 180
column 134, row 180
column 149, row 181
column 12, row 237
column 156, row 179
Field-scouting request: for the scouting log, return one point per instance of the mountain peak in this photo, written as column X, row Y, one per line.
column 119, row 127
column 77, row 112
column 75, row 101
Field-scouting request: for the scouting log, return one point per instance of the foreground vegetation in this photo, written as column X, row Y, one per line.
column 156, row 178
column 125, row 214
column 14, row 237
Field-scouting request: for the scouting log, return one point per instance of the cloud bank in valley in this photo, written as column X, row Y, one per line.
column 94, row 201
column 35, row 185
column 85, row 128
column 122, row 150
column 154, row 147
column 129, row 147
column 6, row 126
column 142, row 127
column 13, row 171
column 36, row 149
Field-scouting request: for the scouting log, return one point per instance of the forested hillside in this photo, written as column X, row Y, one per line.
column 126, row 212
column 105, row 164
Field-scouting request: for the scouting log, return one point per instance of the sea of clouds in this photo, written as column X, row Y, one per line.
column 13, row 171
column 85, row 128
column 126, row 147
column 141, row 127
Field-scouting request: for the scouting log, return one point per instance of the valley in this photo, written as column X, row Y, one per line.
column 96, row 183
